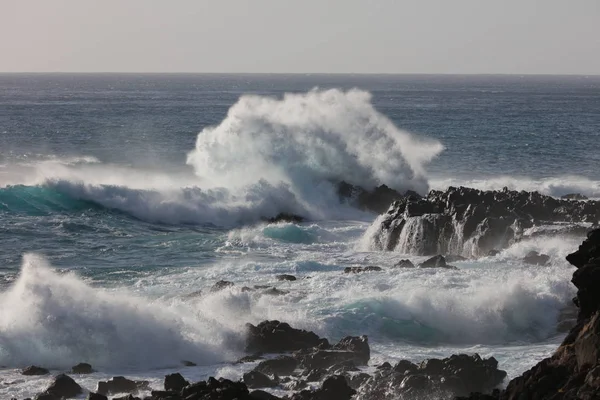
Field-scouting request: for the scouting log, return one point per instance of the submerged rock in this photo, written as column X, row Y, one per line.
column 285, row 217
column 356, row 270
column 404, row 264
column 436, row 262
column 285, row 277
column 535, row 258
column 34, row 370
column 220, row 285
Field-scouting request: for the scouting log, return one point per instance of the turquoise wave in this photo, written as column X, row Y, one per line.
column 40, row 200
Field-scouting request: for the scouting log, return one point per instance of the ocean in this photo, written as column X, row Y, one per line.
column 125, row 197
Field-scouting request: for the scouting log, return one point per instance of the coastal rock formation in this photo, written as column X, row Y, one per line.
column 453, row 376
column 279, row 337
column 573, row 371
column 471, row 222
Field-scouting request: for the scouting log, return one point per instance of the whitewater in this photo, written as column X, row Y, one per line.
column 119, row 216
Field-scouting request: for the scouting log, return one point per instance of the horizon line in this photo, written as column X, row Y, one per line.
column 290, row 73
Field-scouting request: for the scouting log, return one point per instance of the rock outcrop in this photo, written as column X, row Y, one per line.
column 573, row 371
column 470, row 222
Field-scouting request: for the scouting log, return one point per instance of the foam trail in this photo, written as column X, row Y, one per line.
column 58, row 321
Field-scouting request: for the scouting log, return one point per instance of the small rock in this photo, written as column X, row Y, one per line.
column 535, row 258
column 356, row 270
column 285, row 277
column 82, row 368
column 256, row 379
column 175, row 382
column 120, row 384
column 404, row 264
column 220, row 285
column 274, row 292
column 34, row 370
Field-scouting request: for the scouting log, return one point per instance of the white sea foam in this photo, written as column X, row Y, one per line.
column 56, row 320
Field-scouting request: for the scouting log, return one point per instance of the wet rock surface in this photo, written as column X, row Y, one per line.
column 472, row 223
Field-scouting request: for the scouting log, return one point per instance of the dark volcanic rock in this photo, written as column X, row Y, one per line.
column 256, row 379
column 286, row 277
column 471, row 222
column 262, row 395
column 175, row 382
column 34, row 370
column 282, row 365
column 535, row 258
column 82, row 368
column 279, row 337
column 404, row 264
column 358, row 346
column 274, row 292
column 356, row 270
column 334, row 388
column 573, row 371
column 220, row 285
column 457, row 375
column 378, row 200
column 436, row 262
column 120, row 384
column 64, row 387
column 96, row 396
column 213, row 389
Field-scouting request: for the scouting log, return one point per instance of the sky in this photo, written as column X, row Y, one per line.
column 301, row 36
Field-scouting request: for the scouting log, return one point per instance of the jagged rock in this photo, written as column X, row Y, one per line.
column 120, row 384
column 279, row 337
column 356, row 270
column 64, row 387
column 377, row 200
column 220, row 285
column 82, row 368
column 285, row 277
column 34, row 370
column 334, row 388
column 274, row 292
column 359, row 346
column 282, row 365
column 404, row 264
column 175, row 382
column 471, row 222
column 213, row 389
column 457, row 375
column 255, row 379
column 436, row 262
column 385, row 366
column 535, row 258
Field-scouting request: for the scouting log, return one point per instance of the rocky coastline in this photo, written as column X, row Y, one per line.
column 309, row 367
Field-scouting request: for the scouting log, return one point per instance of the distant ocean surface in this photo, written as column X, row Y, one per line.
column 124, row 198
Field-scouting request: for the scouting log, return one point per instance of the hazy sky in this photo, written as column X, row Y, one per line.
column 421, row 36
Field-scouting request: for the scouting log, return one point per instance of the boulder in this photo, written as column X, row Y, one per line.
column 64, row 386
column 175, row 382
column 436, row 262
column 82, row 368
column 279, row 337
column 120, row 384
column 282, row 365
column 358, row 346
column 220, row 285
column 404, row 264
column 274, row 292
column 285, row 277
column 255, row 379
column 535, row 258
column 34, row 370
column 356, row 270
